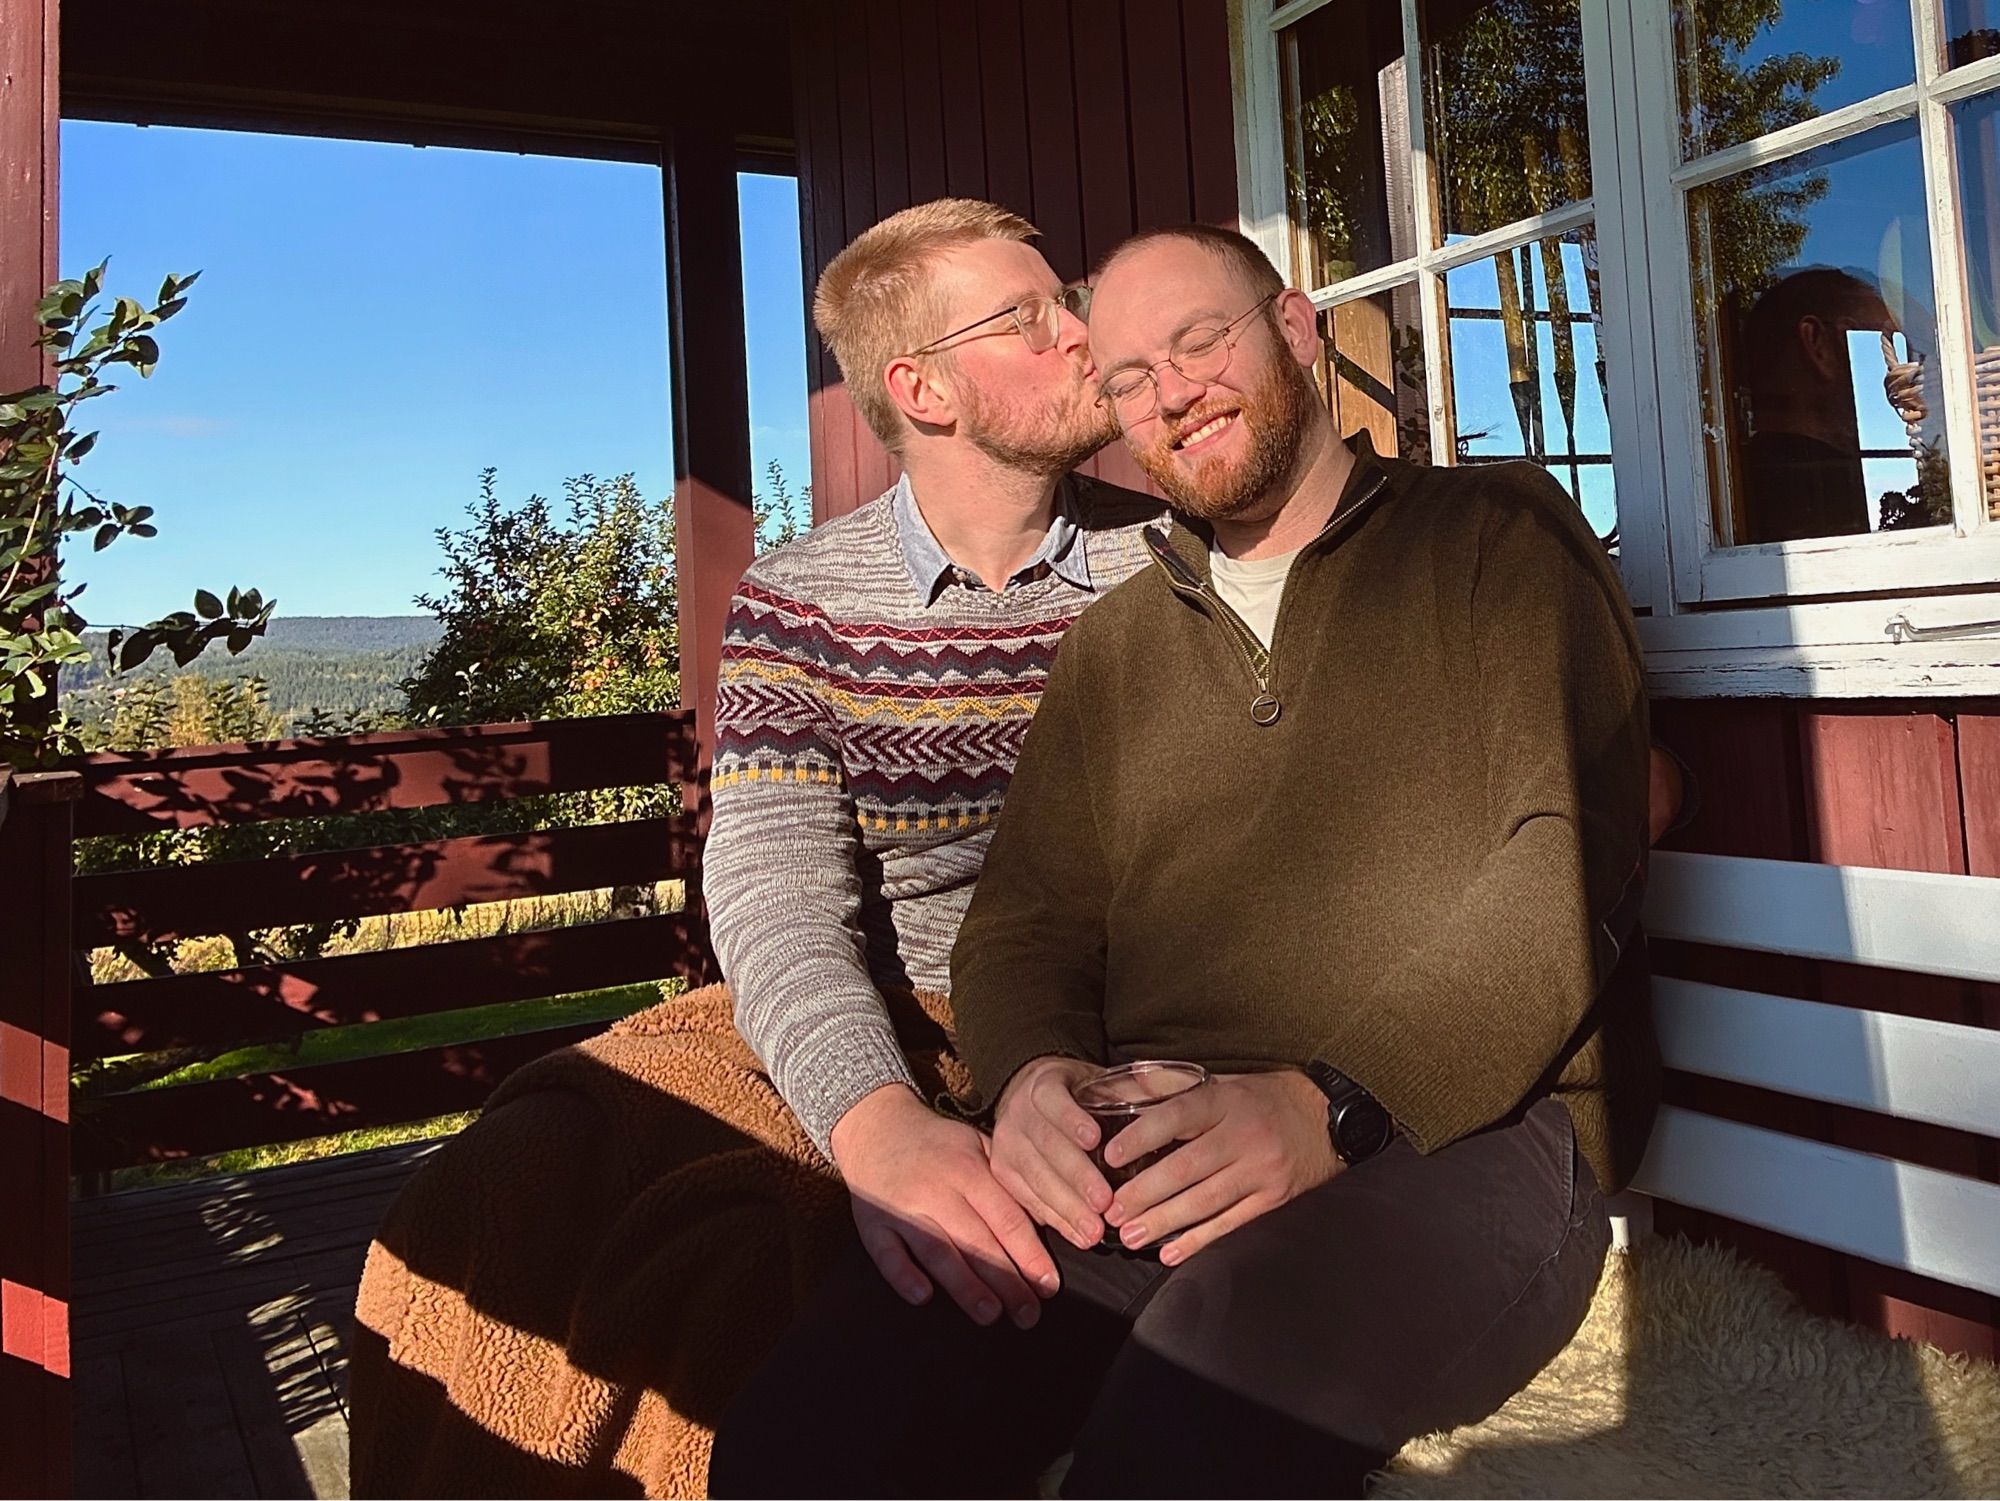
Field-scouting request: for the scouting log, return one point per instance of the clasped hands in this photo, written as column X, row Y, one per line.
column 938, row 1204
column 1247, row 1143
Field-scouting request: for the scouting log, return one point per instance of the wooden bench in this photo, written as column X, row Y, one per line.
column 1937, row 1224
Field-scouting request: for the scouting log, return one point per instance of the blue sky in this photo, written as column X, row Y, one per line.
column 374, row 325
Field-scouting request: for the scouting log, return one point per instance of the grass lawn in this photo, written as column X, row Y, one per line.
column 369, row 1040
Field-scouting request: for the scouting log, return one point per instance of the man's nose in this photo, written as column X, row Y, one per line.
column 1072, row 333
column 1177, row 392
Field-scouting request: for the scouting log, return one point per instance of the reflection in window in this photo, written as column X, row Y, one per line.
column 1527, row 371
column 1371, row 371
column 1809, row 438
column 1972, row 31
column 1979, row 185
column 1504, row 110
column 1749, row 67
column 1347, row 140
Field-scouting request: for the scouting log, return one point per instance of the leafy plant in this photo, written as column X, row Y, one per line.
column 41, row 504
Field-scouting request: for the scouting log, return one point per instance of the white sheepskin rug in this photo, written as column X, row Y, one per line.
column 1697, row 1374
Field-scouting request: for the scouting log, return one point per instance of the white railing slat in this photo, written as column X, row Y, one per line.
column 1917, row 1218
column 1904, row 1066
column 1893, row 919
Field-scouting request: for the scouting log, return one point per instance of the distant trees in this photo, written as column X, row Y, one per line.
column 553, row 612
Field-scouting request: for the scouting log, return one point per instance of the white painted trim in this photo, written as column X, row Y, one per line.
column 1891, row 919
column 1935, row 557
column 1903, row 1066
column 1963, row 83
column 1821, row 130
column 1625, row 338
column 1842, row 623
column 1367, row 284
column 1825, row 672
column 1296, row 10
column 1675, row 372
column 1552, row 225
column 1260, row 141
column 1954, row 351
column 1443, row 422
column 1843, row 650
column 1917, row 1218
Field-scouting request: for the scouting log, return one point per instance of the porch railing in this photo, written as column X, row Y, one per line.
column 207, row 1014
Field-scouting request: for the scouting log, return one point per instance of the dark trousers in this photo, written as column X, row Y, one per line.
column 1290, row 1358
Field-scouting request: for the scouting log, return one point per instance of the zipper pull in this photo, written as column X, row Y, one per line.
column 1265, row 709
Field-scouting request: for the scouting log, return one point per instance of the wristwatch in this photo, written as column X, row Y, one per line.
column 1355, row 1119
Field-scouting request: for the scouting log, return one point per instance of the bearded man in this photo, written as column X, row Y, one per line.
column 1343, row 799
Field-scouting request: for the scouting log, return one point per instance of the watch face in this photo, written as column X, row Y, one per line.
column 1362, row 1129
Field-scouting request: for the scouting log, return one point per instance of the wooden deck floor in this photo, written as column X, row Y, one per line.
column 209, row 1324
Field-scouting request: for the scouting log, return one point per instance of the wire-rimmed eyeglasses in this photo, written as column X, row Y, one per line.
column 1199, row 354
column 1037, row 319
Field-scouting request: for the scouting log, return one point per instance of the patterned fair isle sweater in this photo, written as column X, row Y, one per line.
column 866, row 735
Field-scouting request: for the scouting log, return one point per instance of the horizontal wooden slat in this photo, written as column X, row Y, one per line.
column 1892, row 919
column 237, row 1007
column 1921, row 1070
column 168, row 902
column 1916, row 1218
column 139, row 792
column 194, row 1120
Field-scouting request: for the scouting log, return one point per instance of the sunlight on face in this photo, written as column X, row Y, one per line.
column 1032, row 411
column 1219, row 448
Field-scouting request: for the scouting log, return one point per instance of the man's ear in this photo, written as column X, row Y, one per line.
column 923, row 400
column 1824, row 346
column 1299, row 323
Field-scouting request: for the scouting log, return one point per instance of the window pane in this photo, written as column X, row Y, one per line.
column 1504, row 110
column 1972, row 31
column 1371, row 369
column 1817, row 326
column 1527, row 371
column 1749, row 67
column 1979, row 209
column 1347, row 140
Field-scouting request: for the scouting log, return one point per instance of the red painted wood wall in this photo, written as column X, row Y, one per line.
column 1093, row 118
column 1906, row 786
column 34, row 855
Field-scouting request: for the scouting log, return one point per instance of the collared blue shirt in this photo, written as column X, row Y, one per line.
column 1062, row 552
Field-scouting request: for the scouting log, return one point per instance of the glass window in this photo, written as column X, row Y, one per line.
column 1504, row 110
column 1816, row 317
column 1371, row 370
column 1971, row 31
column 1527, row 370
column 1749, row 67
column 1978, row 129
column 1347, row 141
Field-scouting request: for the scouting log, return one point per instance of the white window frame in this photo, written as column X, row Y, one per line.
column 1772, row 619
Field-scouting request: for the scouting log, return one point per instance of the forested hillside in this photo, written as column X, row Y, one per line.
column 341, row 667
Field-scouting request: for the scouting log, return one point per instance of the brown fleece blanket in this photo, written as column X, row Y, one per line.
column 565, row 1299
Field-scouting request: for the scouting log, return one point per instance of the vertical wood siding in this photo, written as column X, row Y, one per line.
column 1900, row 786
column 1093, row 118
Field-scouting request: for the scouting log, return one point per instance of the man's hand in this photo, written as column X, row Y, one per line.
column 1665, row 792
column 925, row 1201
column 1041, row 1150
column 1252, row 1143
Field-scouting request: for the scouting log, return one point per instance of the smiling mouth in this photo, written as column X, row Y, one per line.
column 1210, row 430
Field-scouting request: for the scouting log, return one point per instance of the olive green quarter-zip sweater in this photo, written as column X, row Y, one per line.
column 1405, row 841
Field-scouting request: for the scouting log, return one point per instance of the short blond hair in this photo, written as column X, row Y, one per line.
column 877, row 298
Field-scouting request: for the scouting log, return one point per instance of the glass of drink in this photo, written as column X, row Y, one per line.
column 1119, row 1096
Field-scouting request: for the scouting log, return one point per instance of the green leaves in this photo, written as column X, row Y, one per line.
column 39, row 632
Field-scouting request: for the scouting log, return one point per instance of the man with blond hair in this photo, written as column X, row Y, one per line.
column 878, row 678
column 565, row 1298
